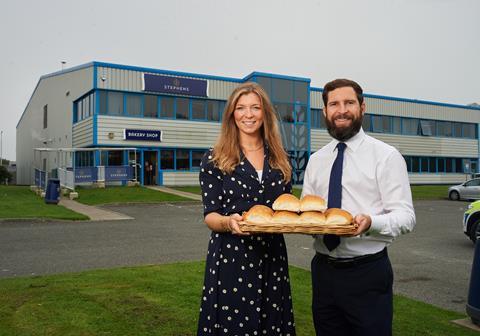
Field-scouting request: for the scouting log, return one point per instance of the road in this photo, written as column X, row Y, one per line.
column 431, row 264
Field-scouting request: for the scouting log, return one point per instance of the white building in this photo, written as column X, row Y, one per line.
column 171, row 118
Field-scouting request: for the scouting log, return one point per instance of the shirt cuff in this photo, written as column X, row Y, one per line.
column 378, row 224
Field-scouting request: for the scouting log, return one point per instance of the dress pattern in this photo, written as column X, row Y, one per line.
column 247, row 286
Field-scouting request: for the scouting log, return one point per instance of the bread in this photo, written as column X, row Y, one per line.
column 335, row 216
column 312, row 203
column 258, row 214
column 287, row 202
column 312, row 217
column 285, row 217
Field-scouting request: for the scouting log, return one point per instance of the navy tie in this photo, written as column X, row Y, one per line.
column 331, row 241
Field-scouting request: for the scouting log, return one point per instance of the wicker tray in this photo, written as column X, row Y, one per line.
column 298, row 228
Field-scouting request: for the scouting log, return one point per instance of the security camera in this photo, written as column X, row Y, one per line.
column 103, row 78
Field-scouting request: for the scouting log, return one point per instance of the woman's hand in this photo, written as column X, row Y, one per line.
column 231, row 224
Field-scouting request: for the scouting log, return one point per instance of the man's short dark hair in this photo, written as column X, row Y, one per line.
column 339, row 83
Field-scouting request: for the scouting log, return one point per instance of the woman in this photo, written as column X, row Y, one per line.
column 247, row 286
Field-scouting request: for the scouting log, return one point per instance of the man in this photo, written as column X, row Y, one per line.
column 352, row 276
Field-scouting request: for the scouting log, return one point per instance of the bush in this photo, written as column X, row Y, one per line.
column 5, row 175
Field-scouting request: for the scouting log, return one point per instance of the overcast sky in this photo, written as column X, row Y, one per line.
column 419, row 49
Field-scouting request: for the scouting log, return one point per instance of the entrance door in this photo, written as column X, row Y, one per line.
column 150, row 167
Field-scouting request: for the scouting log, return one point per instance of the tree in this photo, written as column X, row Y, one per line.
column 4, row 175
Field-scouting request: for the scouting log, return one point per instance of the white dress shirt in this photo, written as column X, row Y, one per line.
column 374, row 182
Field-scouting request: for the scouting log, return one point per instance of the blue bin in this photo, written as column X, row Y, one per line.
column 52, row 193
column 473, row 304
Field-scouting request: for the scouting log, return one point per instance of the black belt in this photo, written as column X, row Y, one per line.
column 350, row 262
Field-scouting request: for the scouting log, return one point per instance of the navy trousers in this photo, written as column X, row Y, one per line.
column 354, row 300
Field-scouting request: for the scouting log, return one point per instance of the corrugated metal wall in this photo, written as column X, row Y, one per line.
column 413, row 145
column 180, row 178
column 82, row 134
column 409, row 109
column 186, row 134
column 131, row 80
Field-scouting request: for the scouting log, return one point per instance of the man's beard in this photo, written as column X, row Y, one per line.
column 344, row 133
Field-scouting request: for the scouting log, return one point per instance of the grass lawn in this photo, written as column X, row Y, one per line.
column 419, row 192
column 160, row 300
column 20, row 202
column 430, row 192
column 111, row 195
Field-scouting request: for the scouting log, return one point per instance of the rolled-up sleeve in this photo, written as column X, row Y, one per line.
column 399, row 216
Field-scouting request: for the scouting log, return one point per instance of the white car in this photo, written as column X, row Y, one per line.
column 469, row 190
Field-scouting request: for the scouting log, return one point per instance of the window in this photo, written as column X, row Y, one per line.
column 444, row 128
column 183, row 159
column 396, row 125
column 432, row 165
column 198, row 109
column 45, row 116
column 285, row 112
column 167, row 107
column 182, row 108
column 213, row 110
column 134, row 105
column 115, row 158
column 427, row 127
column 415, row 164
column 166, row 159
column 301, row 113
column 196, row 158
column 317, row 118
column 282, row 90
column 457, row 129
column 367, row 122
column 103, row 102
column 150, row 108
column 381, row 124
column 410, row 126
column 115, row 103
column 469, row 131
column 301, row 92
column 424, row 164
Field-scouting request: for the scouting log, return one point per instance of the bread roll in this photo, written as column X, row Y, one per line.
column 287, row 202
column 312, row 203
column 335, row 216
column 312, row 217
column 258, row 214
column 285, row 217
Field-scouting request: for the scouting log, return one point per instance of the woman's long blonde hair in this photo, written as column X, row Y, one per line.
column 226, row 152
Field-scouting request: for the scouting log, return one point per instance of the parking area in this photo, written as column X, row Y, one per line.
column 432, row 264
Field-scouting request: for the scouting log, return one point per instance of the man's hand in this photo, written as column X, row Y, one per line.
column 364, row 222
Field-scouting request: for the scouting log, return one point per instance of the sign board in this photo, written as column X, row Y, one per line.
column 175, row 85
column 142, row 135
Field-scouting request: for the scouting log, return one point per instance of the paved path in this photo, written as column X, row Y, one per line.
column 99, row 214
column 94, row 213
column 176, row 192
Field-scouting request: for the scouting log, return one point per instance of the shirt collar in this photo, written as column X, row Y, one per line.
column 353, row 143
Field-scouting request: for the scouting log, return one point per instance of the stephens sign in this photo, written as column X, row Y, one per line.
column 142, row 135
column 175, row 85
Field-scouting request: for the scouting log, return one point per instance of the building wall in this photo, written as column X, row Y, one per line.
column 82, row 133
column 400, row 108
column 186, row 134
column 131, row 80
column 57, row 91
column 180, row 178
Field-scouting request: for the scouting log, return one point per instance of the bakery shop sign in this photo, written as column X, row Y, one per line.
column 142, row 135
column 175, row 85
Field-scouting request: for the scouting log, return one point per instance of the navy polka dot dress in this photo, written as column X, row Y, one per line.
column 247, row 287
